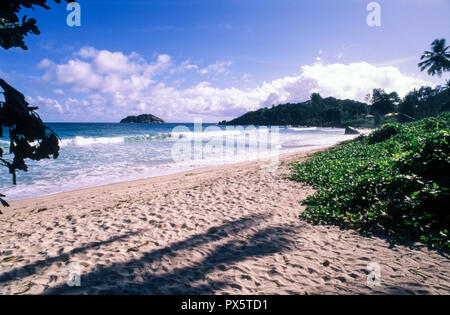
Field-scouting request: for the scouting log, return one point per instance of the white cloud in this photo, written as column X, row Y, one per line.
column 186, row 65
column 105, row 72
column 114, row 85
column 45, row 63
column 50, row 105
column 86, row 52
column 220, row 67
column 356, row 80
column 111, row 62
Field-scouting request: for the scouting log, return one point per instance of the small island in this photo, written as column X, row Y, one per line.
column 142, row 119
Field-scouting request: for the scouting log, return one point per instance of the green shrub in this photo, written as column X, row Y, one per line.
column 384, row 133
column 395, row 180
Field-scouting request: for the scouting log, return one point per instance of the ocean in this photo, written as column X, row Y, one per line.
column 95, row 154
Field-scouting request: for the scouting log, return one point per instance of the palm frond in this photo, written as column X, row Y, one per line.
column 438, row 60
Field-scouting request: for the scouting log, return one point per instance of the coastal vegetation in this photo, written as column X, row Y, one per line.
column 29, row 137
column 437, row 61
column 395, row 180
column 14, row 29
column 382, row 108
column 326, row 112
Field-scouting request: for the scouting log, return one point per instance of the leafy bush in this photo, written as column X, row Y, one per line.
column 383, row 133
column 395, row 180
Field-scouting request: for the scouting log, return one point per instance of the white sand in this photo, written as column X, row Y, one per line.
column 229, row 229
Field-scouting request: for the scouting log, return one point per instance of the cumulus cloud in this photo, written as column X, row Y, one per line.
column 109, row 85
column 356, row 80
column 105, row 72
column 86, row 52
column 45, row 63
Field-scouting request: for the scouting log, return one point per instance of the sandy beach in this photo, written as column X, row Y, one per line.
column 232, row 229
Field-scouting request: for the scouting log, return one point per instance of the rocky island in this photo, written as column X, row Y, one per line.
column 142, row 119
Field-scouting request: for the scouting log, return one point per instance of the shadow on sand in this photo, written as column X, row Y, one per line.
column 24, row 271
column 120, row 278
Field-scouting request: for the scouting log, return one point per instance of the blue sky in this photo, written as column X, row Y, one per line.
column 215, row 60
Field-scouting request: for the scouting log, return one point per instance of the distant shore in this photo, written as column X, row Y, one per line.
column 224, row 229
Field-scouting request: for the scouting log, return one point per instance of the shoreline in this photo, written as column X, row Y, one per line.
column 230, row 229
column 82, row 164
column 201, row 169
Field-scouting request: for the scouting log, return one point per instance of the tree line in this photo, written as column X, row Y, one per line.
column 382, row 107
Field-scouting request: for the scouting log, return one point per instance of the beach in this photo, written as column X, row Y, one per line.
column 230, row 229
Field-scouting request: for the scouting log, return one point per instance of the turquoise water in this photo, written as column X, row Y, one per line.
column 101, row 153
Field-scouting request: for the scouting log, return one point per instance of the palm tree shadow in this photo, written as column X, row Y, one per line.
column 18, row 273
column 120, row 278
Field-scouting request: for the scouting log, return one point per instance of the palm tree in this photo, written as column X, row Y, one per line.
column 438, row 60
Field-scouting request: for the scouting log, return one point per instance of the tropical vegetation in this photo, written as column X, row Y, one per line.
column 331, row 112
column 29, row 137
column 437, row 60
column 396, row 181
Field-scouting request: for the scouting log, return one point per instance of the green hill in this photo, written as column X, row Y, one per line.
column 326, row 112
column 331, row 112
